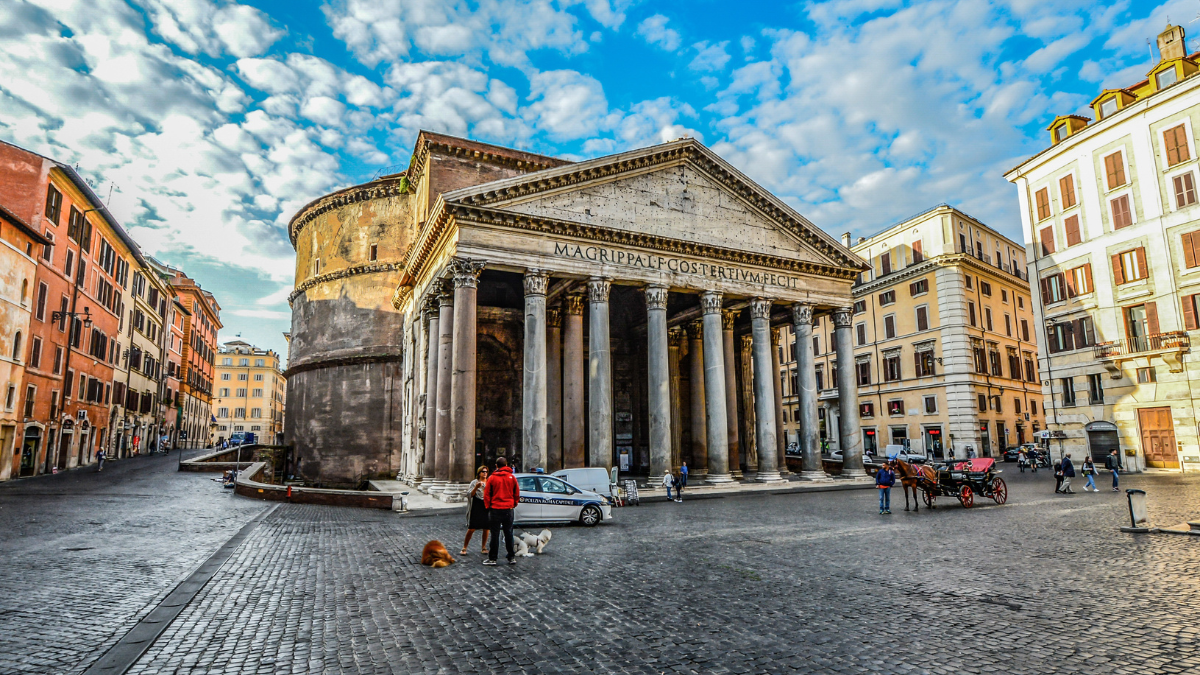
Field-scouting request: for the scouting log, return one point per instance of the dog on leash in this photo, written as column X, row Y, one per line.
column 435, row 555
column 527, row 541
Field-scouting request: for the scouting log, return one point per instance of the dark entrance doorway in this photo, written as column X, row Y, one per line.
column 1102, row 439
column 29, row 451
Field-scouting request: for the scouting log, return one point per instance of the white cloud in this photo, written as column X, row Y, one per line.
column 213, row 28
column 654, row 30
column 567, row 104
column 710, row 57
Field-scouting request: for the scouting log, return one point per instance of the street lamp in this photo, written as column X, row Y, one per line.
column 60, row 315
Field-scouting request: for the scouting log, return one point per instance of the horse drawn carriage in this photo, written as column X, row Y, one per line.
column 963, row 480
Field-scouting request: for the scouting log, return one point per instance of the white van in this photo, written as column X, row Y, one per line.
column 592, row 479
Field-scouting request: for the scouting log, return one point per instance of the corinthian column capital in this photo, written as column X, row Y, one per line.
column 656, row 297
column 760, row 308
column 710, row 302
column 553, row 317
column 842, row 317
column 466, row 272
column 598, row 288
column 728, row 317
column 574, row 303
column 536, row 282
column 802, row 314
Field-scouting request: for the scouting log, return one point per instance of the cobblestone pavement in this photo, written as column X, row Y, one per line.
column 86, row 554
column 754, row 584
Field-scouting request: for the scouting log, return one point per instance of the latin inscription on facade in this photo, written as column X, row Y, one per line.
column 672, row 264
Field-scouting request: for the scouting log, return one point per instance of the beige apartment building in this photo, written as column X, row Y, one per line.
column 1111, row 222
column 249, row 392
column 943, row 343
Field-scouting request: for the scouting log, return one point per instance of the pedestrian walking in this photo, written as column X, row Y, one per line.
column 683, row 472
column 885, row 478
column 668, row 482
column 100, row 460
column 951, row 453
column 1068, row 472
column 1089, row 470
column 970, row 452
column 1113, row 463
column 477, row 516
column 501, row 496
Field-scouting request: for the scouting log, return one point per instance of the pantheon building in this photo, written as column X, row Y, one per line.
column 620, row 311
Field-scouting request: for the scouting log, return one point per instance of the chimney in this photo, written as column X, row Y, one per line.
column 846, row 240
column 1171, row 44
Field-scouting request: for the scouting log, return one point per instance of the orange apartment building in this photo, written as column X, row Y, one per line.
column 200, row 326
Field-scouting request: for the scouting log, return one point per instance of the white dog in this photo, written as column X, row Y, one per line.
column 527, row 541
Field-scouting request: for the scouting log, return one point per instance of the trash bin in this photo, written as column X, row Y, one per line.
column 1139, row 517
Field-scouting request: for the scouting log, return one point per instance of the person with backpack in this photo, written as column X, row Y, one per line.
column 668, row 482
column 885, row 478
column 1089, row 470
column 1068, row 472
column 1113, row 464
column 501, row 495
column 681, row 482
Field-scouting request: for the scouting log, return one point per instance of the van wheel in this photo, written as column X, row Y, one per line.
column 590, row 516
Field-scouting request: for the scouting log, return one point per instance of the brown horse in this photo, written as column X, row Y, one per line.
column 912, row 478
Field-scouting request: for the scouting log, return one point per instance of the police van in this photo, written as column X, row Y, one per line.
column 546, row 499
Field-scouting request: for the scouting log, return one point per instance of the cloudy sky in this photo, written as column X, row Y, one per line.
column 211, row 122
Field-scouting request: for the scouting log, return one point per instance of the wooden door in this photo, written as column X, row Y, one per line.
column 1158, row 438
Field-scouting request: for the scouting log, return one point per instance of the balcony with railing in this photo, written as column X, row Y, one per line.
column 1169, row 346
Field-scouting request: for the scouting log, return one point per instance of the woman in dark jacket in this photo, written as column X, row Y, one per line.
column 477, row 518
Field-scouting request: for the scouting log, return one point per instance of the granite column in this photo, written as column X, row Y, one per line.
column 728, row 317
column 463, row 377
column 658, row 380
column 716, row 401
column 600, row 433
column 806, row 374
column 699, row 415
column 574, row 381
column 851, row 434
column 764, row 391
column 554, row 389
column 533, row 399
column 442, row 416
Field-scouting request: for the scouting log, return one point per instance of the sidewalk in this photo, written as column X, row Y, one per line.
column 420, row 504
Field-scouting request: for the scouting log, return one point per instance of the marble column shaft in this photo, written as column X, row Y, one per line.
column 658, row 380
column 696, row 385
column 851, row 433
column 463, row 373
column 554, row 389
column 731, row 408
column 431, row 374
column 716, row 401
column 445, row 361
column 780, row 435
column 764, row 391
column 574, row 381
column 806, row 372
column 600, row 431
column 675, row 338
column 533, row 399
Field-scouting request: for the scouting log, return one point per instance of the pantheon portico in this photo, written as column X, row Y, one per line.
column 618, row 311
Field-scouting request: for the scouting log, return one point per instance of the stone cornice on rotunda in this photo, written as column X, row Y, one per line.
column 384, row 187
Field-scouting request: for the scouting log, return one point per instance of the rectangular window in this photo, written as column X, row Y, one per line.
column 886, row 298
column 860, row 333
column 374, row 252
column 1095, row 389
column 1189, row 312
column 994, row 361
column 885, row 264
column 53, row 204
column 1046, row 237
column 970, row 282
column 971, row 313
column 1068, row 391
column 1043, row 203
column 864, row 373
column 1114, row 170
column 860, row 306
column 1191, row 249
column 889, row 326
column 1025, row 330
column 257, row 393
column 987, row 317
column 1146, row 375
column 1008, row 325
column 1108, row 107
column 1175, row 140
column 1017, row 405
column 241, row 393
column 48, row 248
column 1166, row 78
column 985, row 288
column 30, row 399
column 924, row 364
column 35, row 352
column 930, row 405
column 1185, row 190
column 923, row 317
column 1079, row 280
column 1071, row 225
column 1130, row 266
column 891, row 368
column 39, row 311
column 1121, row 215
column 895, row 407
column 1053, row 289
column 1066, row 191
column 983, row 404
column 866, row 410
column 917, row 254
column 919, row 287
column 1003, row 295
column 259, row 378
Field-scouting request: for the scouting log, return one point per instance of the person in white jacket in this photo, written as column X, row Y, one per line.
column 668, row 482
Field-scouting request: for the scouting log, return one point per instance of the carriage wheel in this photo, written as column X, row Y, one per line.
column 967, row 497
column 928, row 498
column 999, row 490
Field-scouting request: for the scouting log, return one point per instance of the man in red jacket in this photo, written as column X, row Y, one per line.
column 501, row 496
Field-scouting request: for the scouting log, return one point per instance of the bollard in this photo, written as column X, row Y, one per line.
column 289, row 492
column 1139, row 518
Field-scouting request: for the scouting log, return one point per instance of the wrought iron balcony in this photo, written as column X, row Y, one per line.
column 1169, row 346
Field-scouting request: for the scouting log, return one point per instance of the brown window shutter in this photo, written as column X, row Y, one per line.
column 1141, row 258
column 1043, row 203
column 1114, row 170
column 1066, row 189
column 1046, row 236
column 1177, row 149
column 1189, row 312
column 1087, row 277
column 1152, row 318
column 1046, row 291
column 1118, row 273
column 1069, row 277
column 1068, row 336
column 1189, row 248
column 1072, row 226
column 918, row 255
column 912, row 289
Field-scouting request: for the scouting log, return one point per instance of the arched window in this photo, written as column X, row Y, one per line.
column 24, row 291
column 16, row 353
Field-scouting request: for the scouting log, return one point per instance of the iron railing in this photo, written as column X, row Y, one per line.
column 1147, row 343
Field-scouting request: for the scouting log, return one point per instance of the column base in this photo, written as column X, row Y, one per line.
column 435, row 487
column 820, row 476
column 737, row 475
column 452, row 493
column 854, row 473
column 718, row 478
column 697, row 473
column 769, row 477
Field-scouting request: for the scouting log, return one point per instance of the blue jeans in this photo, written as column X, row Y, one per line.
column 1091, row 482
column 668, row 492
column 885, row 499
column 1115, row 479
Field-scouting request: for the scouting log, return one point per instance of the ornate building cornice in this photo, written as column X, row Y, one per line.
column 468, row 149
column 379, row 189
column 345, row 273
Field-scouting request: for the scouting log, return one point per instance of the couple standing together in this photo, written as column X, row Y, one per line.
column 670, row 481
column 492, row 504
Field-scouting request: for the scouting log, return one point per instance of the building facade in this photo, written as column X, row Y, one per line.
column 250, row 391
column 197, row 426
column 1111, row 222
column 944, row 343
column 488, row 302
column 19, row 247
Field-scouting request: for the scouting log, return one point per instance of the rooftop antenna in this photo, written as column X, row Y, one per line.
column 111, row 185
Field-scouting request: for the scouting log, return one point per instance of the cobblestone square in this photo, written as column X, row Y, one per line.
column 752, row 584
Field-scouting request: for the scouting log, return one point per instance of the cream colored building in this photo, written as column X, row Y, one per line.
column 943, row 351
column 1110, row 213
column 250, row 392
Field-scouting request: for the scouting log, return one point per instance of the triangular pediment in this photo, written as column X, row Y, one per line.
column 679, row 191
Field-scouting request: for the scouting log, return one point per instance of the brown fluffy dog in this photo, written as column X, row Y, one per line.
column 436, row 555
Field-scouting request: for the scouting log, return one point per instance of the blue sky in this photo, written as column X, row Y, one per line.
column 213, row 121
